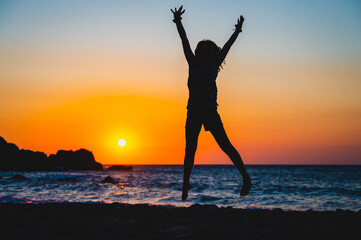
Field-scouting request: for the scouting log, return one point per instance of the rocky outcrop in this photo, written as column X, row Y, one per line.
column 14, row 159
column 81, row 159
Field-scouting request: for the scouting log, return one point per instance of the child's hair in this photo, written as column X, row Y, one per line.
column 208, row 44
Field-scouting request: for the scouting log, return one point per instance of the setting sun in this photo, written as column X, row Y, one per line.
column 294, row 100
column 121, row 142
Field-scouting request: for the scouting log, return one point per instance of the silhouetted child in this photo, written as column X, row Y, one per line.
column 204, row 66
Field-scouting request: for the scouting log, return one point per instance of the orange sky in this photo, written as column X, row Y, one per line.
column 280, row 102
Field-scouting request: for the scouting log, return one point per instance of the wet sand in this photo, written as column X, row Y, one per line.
column 122, row 221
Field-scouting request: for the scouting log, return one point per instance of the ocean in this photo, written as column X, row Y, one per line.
column 319, row 188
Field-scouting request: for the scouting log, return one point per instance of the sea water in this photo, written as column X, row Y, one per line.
column 287, row 187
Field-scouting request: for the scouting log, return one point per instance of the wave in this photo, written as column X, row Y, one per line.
column 11, row 199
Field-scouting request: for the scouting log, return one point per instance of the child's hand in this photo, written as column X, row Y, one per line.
column 239, row 24
column 177, row 14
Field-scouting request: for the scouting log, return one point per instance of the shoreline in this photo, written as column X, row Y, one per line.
column 25, row 201
column 142, row 221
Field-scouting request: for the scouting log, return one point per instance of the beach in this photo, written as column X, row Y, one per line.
column 142, row 221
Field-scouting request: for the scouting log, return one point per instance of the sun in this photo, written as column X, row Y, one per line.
column 121, row 142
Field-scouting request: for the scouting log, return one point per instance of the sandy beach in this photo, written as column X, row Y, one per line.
column 124, row 221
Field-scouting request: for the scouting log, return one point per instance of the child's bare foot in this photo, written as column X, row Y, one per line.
column 185, row 189
column 246, row 185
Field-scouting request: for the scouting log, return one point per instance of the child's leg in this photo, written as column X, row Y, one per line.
column 192, row 133
column 221, row 137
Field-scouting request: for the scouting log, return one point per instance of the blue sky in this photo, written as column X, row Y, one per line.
column 281, row 30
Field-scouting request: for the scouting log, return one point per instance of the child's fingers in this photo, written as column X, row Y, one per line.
column 178, row 11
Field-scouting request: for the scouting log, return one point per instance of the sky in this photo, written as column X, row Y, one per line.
column 84, row 74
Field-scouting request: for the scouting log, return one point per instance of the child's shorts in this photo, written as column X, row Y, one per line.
column 209, row 118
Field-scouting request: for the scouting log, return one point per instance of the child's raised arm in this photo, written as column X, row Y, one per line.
column 186, row 46
column 222, row 55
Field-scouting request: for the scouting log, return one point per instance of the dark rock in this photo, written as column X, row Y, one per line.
column 196, row 206
column 120, row 168
column 9, row 156
column 177, row 230
column 211, row 206
column 116, row 204
column 14, row 159
column 67, row 179
column 81, row 159
column 32, row 161
column 193, row 236
column 19, row 177
column 277, row 210
column 109, row 179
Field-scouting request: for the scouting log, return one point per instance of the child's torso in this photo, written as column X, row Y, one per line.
column 202, row 87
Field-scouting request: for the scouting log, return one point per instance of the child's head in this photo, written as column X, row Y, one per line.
column 207, row 51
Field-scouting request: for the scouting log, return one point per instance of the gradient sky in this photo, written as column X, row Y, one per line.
column 84, row 74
